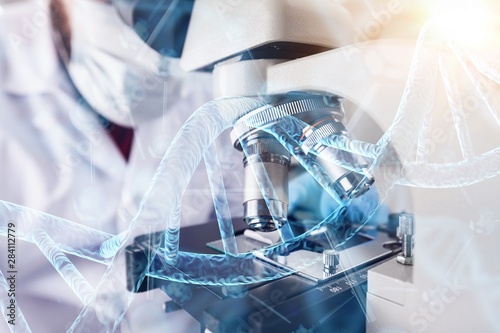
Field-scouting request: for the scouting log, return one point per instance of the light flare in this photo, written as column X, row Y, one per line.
column 471, row 24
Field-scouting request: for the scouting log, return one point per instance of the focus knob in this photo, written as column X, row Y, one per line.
column 331, row 260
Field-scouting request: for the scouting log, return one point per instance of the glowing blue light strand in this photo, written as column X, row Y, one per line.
column 216, row 270
column 418, row 97
column 488, row 90
column 64, row 266
column 287, row 131
column 457, row 108
column 286, row 233
column 463, row 173
column 163, row 196
column 449, row 175
column 5, row 301
column 189, row 147
column 489, row 69
column 221, row 204
column 70, row 237
column 423, row 142
column 109, row 247
column 353, row 146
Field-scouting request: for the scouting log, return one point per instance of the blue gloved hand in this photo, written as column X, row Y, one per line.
column 308, row 200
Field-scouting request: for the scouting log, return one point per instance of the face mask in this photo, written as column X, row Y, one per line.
column 115, row 71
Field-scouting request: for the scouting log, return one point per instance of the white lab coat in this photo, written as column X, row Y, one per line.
column 55, row 157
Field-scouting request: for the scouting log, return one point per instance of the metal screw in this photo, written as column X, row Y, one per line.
column 331, row 260
column 405, row 232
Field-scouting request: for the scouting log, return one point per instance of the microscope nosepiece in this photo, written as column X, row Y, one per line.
column 307, row 120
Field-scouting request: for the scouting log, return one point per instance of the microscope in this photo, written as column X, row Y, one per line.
column 304, row 62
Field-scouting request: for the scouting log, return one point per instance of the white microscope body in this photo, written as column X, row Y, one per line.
column 274, row 47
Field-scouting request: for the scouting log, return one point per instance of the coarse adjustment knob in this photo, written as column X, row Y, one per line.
column 331, row 260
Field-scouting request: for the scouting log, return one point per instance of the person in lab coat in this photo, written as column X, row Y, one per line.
column 75, row 81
